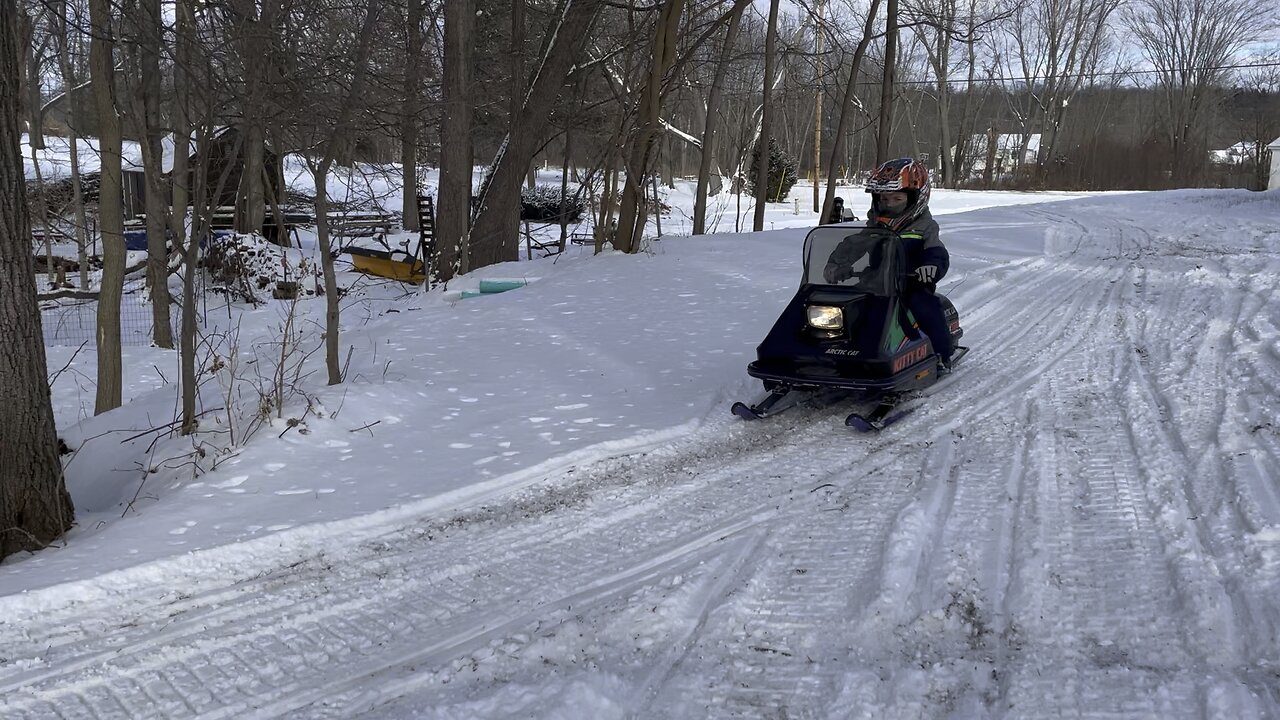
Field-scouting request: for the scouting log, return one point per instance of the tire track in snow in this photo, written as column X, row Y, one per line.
column 1181, row 414
column 712, row 533
column 795, row 659
column 280, row 626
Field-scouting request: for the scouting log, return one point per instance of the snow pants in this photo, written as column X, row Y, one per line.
column 927, row 310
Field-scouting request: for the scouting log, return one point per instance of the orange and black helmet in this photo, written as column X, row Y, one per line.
column 901, row 175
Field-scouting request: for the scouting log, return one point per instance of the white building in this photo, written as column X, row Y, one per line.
column 1238, row 154
column 1007, row 156
column 1274, row 182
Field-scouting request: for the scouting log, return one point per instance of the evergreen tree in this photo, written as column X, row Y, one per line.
column 782, row 173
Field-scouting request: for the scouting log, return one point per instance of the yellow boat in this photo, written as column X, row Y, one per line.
column 382, row 264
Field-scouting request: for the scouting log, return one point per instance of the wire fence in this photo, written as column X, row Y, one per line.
column 70, row 321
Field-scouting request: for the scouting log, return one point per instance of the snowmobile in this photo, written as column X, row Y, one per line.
column 848, row 332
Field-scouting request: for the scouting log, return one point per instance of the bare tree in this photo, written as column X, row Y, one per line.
column 938, row 21
column 1256, row 119
column 183, row 67
column 766, row 118
column 336, row 143
column 1189, row 42
column 142, row 114
column 110, row 207
column 255, row 22
column 631, row 216
column 847, row 105
column 884, row 129
column 453, row 224
column 35, row 508
column 713, row 118
column 495, row 234
column 410, row 118
column 63, row 39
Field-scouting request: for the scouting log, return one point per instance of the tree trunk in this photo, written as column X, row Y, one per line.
column 713, row 117
column 254, row 44
column 110, row 220
column 338, row 144
column 453, row 224
column 518, row 80
column 35, row 133
column 152, row 25
column 495, row 236
column 641, row 150
column 846, row 106
column 184, row 22
column 332, row 310
column 817, row 111
column 411, row 109
column 77, row 195
column 766, row 118
column 885, row 127
column 35, row 508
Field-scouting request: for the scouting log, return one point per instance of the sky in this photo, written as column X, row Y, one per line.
column 536, row 503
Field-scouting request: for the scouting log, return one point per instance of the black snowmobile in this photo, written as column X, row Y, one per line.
column 847, row 332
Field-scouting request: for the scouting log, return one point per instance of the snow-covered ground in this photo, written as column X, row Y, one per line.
column 536, row 504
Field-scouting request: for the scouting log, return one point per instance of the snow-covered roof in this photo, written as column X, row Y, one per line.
column 55, row 158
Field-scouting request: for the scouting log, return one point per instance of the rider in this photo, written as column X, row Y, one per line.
column 900, row 202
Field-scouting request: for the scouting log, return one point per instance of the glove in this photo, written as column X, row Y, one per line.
column 926, row 273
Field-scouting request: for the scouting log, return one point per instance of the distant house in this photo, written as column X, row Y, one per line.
column 1273, row 183
column 1002, row 151
column 1238, row 154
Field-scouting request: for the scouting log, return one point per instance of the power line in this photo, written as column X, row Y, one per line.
column 1092, row 75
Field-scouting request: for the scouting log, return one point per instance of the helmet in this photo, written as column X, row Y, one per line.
column 901, row 175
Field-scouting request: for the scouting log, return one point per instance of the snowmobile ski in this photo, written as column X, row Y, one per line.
column 776, row 401
column 879, row 418
column 890, row 410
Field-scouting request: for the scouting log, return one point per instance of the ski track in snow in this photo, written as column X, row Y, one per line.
column 1082, row 521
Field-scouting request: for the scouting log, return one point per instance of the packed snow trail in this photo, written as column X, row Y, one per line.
column 1083, row 522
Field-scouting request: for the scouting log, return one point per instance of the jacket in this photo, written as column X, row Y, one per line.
column 922, row 245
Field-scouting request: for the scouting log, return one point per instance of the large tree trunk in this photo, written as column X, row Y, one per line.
column 766, row 118
column 885, row 127
column 110, row 220
column 846, row 107
column 255, row 35
column 151, row 24
column 411, row 109
column 713, row 117
column 453, row 221
column 495, row 236
column 640, row 153
column 35, row 508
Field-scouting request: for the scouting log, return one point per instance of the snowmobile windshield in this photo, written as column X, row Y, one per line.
column 867, row 259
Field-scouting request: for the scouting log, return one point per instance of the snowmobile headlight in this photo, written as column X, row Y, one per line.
column 825, row 317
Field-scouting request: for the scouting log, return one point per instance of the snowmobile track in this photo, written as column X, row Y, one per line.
column 966, row 564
